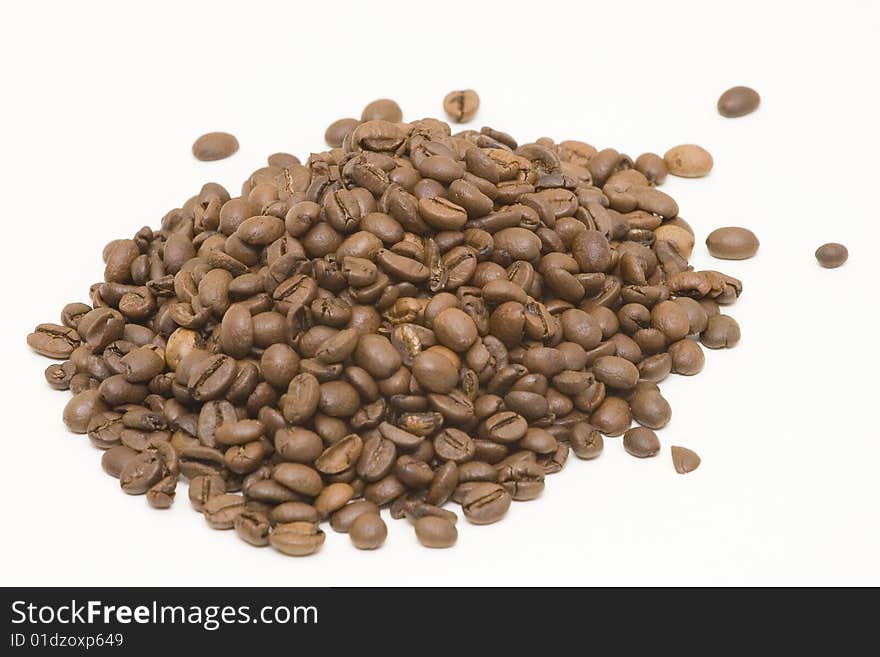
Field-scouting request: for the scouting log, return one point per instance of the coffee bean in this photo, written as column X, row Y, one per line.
column 53, row 340
column 738, row 101
column 252, row 527
column 586, row 441
column 485, row 503
column 461, row 106
column 409, row 318
column 641, row 442
column 368, row 531
column 832, row 255
column 684, row 460
column 732, row 243
column 204, row 487
column 214, row 146
column 688, row 161
column 297, row 539
column 338, row 130
column 435, row 532
column 58, row 376
column 721, row 331
column 343, row 519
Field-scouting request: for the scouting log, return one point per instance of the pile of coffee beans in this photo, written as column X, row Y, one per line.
column 410, row 319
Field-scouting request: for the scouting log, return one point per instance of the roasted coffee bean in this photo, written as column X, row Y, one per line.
column 53, row 340
column 204, row 487
column 368, row 531
column 214, row 146
column 115, row 459
column 161, row 494
column 641, row 442
column 721, row 331
column 832, row 255
column 343, row 518
column 738, row 101
column 461, row 106
column 586, row 441
column 409, row 318
column 434, row 532
column 688, row 161
column 383, row 109
column 684, row 460
column 338, row 130
column 485, row 503
column 252, row 527
column 732, row 243
column 58, row 376
column 297, row 539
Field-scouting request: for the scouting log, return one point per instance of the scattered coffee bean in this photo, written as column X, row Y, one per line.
column 738, row 101
column 684, row 460
column 214, row 146
column 688, row 161
column 832, row 255
column 732, row 243
column 461, row 106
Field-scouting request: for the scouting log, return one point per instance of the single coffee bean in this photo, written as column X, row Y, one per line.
column 641, row 442
column 687, row 357
column 586, row 441
column 382, row 109
column 204, row 487
column 294, row 512
column 342, row 520
column 53, row 340
column 485, row 503
column 214, row 146
column 161, row 494
column 220, row 511
column 252, row 527
column 688, row 161
column 732, row 243
column 738, row 101
column 434, row 532
column 297, row 539
column 58, row 376
column 832, row 255
column 114, row 460
column 684, row 460
column 368, row 531
column 338, row 130
column 722, row 331
column 461, row 106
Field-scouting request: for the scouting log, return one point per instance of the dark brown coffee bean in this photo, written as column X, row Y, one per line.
column 58, row 376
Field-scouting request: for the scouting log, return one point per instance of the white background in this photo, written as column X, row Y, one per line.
column 100, row 104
